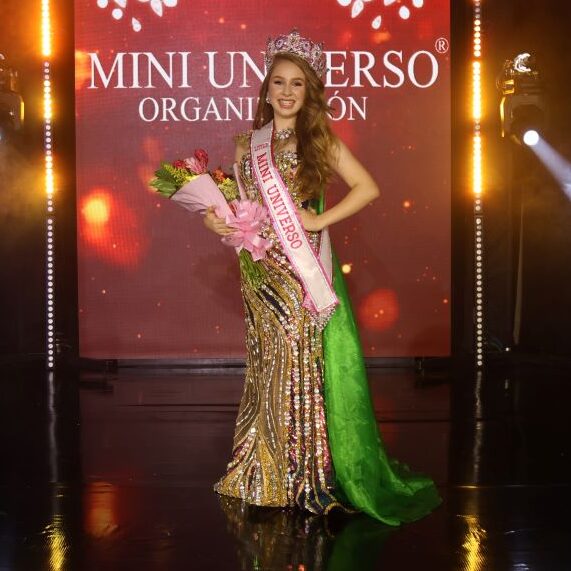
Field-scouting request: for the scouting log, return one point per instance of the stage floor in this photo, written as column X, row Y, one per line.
column 115, row 472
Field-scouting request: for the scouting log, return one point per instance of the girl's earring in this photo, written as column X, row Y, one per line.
column 267, row 98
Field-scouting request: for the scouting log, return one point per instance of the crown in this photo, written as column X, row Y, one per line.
column 295, row 44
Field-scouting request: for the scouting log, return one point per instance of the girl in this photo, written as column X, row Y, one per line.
column 306, row 434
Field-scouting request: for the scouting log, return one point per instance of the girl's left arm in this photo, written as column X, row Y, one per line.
column 362, row 190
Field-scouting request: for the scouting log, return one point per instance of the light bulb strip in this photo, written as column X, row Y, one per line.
column 477, row 186
column 49, row 185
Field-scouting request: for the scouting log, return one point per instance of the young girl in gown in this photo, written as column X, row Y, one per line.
column 306, row 434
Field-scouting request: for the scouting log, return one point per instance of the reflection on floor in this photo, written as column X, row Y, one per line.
column 115, row 472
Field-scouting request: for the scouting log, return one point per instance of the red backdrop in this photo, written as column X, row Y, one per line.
column 157, row 79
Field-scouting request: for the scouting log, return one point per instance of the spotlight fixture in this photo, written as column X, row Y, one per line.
column 523, row 107
column 531, row 137
column 11, row 101
column 524, row 116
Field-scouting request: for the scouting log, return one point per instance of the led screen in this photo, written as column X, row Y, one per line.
column 157, row 79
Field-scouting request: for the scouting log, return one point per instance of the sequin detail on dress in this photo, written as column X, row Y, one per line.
column 280, row 454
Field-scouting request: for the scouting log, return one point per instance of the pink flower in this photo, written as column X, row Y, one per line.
column 193, row 165
column 198, row 163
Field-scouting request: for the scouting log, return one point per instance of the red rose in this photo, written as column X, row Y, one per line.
column 201, row 155
column 179, row 164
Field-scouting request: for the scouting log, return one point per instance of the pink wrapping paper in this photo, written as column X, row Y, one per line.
column 200, row 193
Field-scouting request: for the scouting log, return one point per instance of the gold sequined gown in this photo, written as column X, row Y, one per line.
column 280, row 453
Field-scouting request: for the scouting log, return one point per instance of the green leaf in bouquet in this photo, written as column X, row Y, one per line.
column 163, row 187
column 229, row 188
column 165, row 173
column 178, row 176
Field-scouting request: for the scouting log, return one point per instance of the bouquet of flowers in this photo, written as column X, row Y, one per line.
column 189, row 183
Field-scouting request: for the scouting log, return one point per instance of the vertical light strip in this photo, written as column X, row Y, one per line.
column 49, row 185
column 477, row 185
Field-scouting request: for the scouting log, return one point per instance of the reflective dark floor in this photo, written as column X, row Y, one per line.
column 115, row 471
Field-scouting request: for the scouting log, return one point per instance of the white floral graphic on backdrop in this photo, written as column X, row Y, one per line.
column 357, row 7
column 119, row 8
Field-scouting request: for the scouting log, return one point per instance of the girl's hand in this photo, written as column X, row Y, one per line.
column 215, row 223
column 311, row 221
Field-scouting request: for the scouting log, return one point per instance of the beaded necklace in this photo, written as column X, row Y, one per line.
column 284, row 134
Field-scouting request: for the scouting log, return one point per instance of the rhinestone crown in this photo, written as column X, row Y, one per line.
column 295, row 44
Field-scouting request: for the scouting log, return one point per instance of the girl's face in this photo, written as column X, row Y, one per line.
column 286, row 89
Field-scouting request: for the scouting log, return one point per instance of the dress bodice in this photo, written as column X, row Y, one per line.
column 287, row 162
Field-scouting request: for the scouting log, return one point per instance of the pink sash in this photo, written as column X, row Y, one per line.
column 314, row 271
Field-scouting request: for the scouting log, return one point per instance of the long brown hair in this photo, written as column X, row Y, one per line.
column 315, row 140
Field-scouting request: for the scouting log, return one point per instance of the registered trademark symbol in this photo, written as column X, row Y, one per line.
column 441, row 45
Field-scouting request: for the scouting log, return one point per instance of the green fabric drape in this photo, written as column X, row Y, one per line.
column 367, row 478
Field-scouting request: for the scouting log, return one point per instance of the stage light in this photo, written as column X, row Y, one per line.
column 477, row 183
column 524, row 114
column 46, row 49
column 477, row 90
column 531, row 137
column 523, row 106
column 477, row 165
column 46, row 32
column 12, row 106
